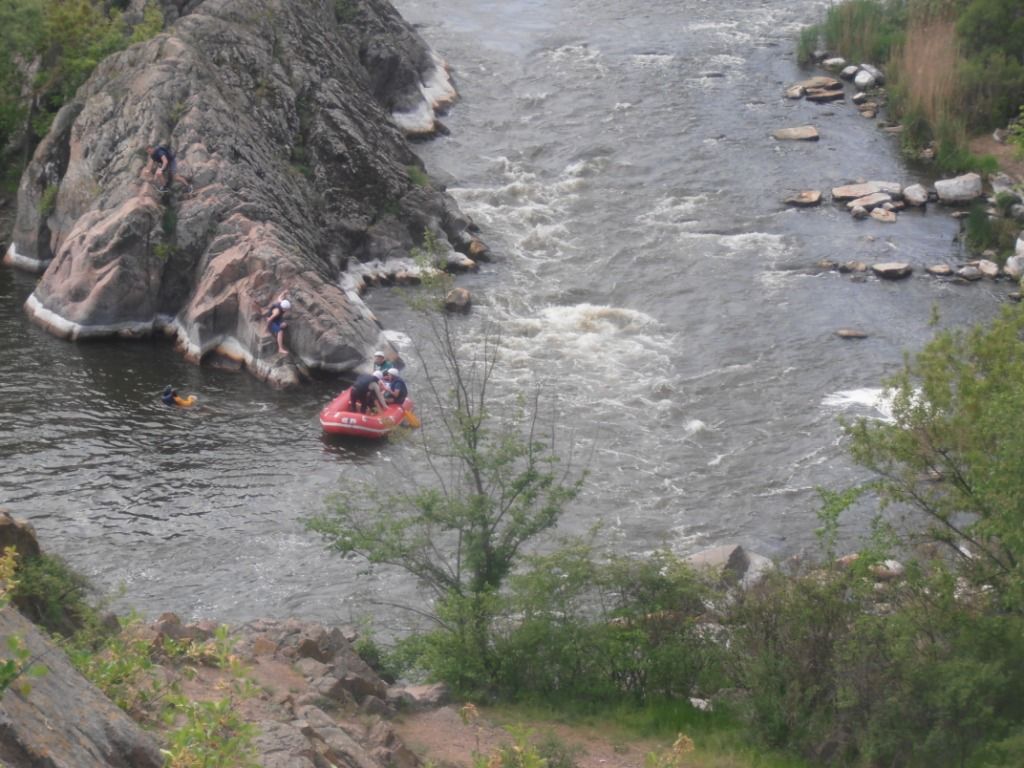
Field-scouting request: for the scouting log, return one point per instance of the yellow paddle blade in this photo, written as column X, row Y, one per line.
column 412, row 420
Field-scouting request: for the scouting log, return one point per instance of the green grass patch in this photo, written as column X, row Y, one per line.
column 718, row 737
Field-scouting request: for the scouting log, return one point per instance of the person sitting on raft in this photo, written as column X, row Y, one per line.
column 366, row 393
column 381, row 363
column 396, row 391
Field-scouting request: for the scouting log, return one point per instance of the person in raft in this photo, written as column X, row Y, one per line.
column 396, row 391
column 163, row 166
column 276, row 322
column 366, row 392
column 381, row 363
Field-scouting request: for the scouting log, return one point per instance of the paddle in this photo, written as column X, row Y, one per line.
column 411, row 419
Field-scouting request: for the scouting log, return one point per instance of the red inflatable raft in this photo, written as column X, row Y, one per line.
column 337, row 419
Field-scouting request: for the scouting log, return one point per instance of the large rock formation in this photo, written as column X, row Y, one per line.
column 64, row 721
column 291, row 117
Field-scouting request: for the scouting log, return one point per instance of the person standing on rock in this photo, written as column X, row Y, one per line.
column 396, row 391
column 276, row 322
column 163, row 166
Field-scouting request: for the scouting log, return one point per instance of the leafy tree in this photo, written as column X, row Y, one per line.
column 497, row 484
column 953, row 450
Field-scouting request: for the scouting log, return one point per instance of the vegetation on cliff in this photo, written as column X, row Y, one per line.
column 955, row 67
column 844, row 661
column 47, row 50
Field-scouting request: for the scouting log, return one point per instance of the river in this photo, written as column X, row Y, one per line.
column 617, row 157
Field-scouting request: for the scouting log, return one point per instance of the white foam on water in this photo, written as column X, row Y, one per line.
column 675, row 212
column 652, row 60
column 603, row 349
column 864, row 398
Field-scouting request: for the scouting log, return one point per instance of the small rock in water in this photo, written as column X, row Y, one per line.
column 805, row 199
column 798, row 133
column 892, row 270
column 851, row 333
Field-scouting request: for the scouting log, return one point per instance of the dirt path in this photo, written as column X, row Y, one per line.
column 441, row 737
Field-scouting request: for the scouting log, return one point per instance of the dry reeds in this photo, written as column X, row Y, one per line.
column 926, row 65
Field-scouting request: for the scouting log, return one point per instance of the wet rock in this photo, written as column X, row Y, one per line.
column 892, row 270
column 733, row 563
column 875, row 72
column 969, row 272
column 859, row 212
column 865, row 188
column 1014, row 267
column 915, row 195
column 940, row 270
column 853, row 266
column 849, row 72
column 822, row 95
column 883, row 215
column 864, row 80
column 851, row 333
column 798, row 133
column 458, row 300
column 836, row 63
column 988, row 268
column 960, row 189
column 869, row 201
column 859, row 98
column 805, row 199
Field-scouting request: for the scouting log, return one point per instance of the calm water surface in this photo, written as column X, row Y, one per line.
column 617, row 157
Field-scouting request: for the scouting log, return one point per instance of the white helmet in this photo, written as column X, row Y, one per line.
column 285, row 304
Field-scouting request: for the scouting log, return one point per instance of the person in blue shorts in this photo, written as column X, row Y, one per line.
column 396, row 391
column 163, row 166
column 276, row 322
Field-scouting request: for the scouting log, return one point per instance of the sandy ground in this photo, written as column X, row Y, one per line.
column 1010, row 161
column 441, row 737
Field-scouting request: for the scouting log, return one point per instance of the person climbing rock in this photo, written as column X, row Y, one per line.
column 276, row 322
column 163, row 166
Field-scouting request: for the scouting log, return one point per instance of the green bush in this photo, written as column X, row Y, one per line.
column 52, row 595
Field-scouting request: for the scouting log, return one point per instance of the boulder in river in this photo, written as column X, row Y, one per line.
column 805, row 199
column 864, row 188
column 864, row 80
column 798, row 133
column 851, row 333
column 883, row 215
column 915, row 195
column 940, row 270
column 870, row 201
column 892, row 270
column 960, row 189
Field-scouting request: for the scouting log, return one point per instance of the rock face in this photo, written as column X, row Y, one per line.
column 291, row 118
column 64, row 721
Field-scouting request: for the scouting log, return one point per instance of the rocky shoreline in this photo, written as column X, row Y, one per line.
column 882, row 201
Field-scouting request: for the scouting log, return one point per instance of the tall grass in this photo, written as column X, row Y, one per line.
column 924, row 67
column 864, row 30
